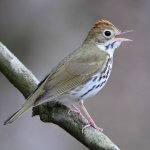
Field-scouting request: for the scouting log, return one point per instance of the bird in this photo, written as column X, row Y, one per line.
column 81, row 74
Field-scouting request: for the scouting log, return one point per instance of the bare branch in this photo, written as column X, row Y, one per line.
column 16, row 72
column 53, row 112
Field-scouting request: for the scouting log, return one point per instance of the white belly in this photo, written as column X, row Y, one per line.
column 89, row 89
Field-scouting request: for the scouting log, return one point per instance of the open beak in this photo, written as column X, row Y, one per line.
column 118, row 38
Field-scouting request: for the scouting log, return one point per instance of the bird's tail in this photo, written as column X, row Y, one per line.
column 27, row 105
column 31, row 101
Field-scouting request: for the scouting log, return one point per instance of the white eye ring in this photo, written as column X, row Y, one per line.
column 107, row 33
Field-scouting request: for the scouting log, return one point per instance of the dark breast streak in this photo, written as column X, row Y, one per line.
column 98, row 80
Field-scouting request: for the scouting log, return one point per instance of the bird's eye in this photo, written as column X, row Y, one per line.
column 107, row 33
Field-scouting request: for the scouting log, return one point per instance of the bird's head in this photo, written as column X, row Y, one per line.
column 106, row 36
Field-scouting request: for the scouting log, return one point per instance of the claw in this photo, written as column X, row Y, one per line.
column 84, row 127
column 91, row 124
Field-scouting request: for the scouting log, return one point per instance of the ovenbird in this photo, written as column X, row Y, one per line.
column 81, row 74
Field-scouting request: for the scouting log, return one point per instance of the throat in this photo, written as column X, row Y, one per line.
column 109, row 48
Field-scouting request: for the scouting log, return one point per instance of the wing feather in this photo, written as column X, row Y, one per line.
column 74, row 72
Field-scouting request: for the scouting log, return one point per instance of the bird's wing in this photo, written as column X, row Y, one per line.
column 73, row 72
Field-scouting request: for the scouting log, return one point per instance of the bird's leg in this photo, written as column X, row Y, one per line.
column 90, row 120
column 77, row 110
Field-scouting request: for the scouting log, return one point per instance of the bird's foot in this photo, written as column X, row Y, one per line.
column 92, row 124
column 76, row 110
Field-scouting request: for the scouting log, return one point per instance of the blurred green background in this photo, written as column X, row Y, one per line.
column 42, row 32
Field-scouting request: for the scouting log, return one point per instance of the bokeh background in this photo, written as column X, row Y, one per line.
column 42, row 32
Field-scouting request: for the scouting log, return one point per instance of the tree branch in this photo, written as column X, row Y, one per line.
column 26, row 82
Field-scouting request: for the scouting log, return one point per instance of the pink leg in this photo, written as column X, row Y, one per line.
column 77, row 110
column 90, row 120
